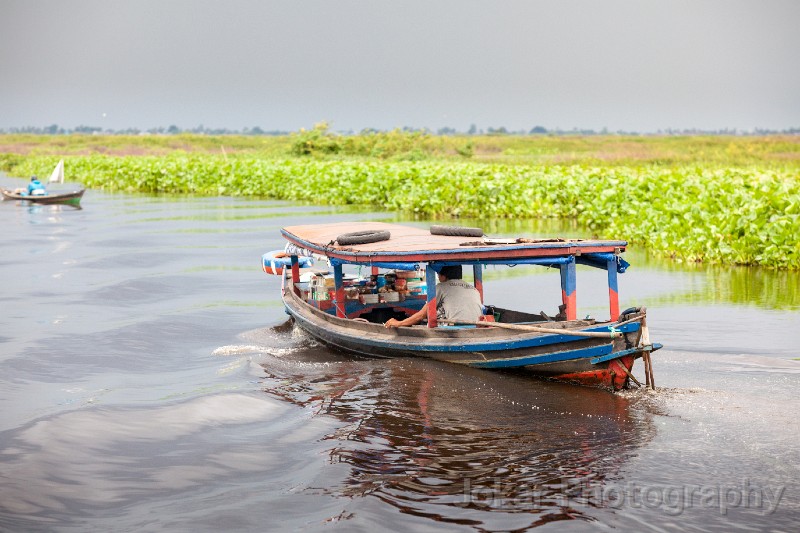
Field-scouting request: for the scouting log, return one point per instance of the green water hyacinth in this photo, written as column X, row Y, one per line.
column 748, row 216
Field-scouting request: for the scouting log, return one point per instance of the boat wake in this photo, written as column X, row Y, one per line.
column 283, row 347
column 249, row 349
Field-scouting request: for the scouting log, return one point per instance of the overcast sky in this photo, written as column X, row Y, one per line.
column 633, row 65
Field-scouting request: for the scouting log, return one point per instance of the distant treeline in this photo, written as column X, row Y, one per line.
column 55, row 129
column 319, row 142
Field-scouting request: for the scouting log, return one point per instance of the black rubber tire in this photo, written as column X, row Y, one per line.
column 362, row 237
column 456, row 231
column 630, row 311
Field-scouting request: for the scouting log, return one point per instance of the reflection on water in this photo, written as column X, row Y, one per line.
column 439, row 441
column 747, row 286
column 35, row 209
column 704, row 283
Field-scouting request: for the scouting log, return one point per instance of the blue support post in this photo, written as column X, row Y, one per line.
column 613, row 290
column 338, row 282
column 477, row 271
column 430, row 280
column 568, row 286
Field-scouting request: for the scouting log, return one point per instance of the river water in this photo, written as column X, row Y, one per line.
column 150, row 381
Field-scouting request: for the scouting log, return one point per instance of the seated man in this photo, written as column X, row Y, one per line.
column 35, row 187
column 456, row 301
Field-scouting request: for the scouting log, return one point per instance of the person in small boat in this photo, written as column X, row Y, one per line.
column 456, row 300
column 36, row 187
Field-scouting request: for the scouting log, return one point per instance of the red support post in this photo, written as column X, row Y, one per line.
column 295, row 274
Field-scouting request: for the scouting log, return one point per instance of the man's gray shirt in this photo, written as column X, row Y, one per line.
column 458, row 301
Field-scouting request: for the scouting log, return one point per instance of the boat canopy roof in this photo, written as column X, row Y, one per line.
column 408, row 244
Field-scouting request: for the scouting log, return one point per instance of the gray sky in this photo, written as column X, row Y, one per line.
column 633, row 65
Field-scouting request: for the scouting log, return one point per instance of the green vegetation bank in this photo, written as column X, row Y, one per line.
column 713, row 199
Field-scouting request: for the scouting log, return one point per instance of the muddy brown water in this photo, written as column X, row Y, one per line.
column 150, row 382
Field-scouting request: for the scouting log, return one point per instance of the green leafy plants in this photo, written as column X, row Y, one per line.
column 694, row 212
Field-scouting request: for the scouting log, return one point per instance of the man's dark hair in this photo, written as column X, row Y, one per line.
column 451, row 272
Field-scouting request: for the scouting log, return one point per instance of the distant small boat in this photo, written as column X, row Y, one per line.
column 57, row 197
column 71, row 197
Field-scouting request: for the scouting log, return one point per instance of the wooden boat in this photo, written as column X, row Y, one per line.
column 53, row 197
column 70, row 197
column 348, row 313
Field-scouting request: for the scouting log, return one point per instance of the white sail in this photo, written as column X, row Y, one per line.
column 58, row 173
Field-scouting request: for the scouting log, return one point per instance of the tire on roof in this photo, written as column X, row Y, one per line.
column 362, row 237
column 456, row 231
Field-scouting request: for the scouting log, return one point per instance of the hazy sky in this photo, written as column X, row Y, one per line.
column 633, row 65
